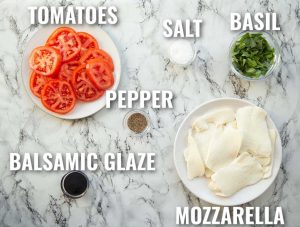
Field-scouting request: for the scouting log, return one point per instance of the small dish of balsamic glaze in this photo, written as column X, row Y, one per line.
column 74, row 184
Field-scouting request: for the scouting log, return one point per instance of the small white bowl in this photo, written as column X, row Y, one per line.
column 185, row 44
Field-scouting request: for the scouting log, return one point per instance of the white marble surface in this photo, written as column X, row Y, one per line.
column 141, row 199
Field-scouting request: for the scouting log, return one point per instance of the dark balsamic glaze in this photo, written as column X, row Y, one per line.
column 75, row 184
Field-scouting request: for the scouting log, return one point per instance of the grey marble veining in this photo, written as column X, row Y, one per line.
column 131, row 198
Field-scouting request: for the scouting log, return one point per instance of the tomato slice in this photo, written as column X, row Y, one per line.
column 87, row 42
column 66, row 41
column 67, row 69
column 37, row 82
column 97, row 53
column 77, row 57
column 100, row 74
column 84, row 89
column 58, row 96
column 45, row 60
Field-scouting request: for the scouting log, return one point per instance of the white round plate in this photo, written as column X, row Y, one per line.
column 199, row 186
column 81, row 109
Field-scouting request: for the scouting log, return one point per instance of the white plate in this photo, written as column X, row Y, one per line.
column 199, row 186
column 81, row 109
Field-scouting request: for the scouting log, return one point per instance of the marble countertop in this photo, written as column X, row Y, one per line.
column 131, row 198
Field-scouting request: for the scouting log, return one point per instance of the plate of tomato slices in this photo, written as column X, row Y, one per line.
column 67, row 70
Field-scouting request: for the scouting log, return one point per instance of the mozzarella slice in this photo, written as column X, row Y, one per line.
column 251, row 121
column 195, row 164
column 243, row 171
column 232, row 124
column 203, row 140
column 224, row 147
column 208, row 173
column 218, row 117
column 268, row 168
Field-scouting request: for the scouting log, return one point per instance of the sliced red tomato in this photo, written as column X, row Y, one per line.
column 37, row 82
column 84, row 89
column 77, row 57
column 45, row 60
column 66, row 41
column 97, row 53
column 87, row 42
column 100, row 74
column 58, row 96
column 67, row 69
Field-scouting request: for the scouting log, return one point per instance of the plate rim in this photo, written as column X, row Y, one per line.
column 275, row 171
column 23, row 61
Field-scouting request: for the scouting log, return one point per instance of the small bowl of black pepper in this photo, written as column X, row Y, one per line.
column 137, row 122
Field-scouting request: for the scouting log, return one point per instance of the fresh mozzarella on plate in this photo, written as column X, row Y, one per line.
column 237, row 169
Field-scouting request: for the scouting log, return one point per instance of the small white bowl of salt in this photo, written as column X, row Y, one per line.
column 181, row 52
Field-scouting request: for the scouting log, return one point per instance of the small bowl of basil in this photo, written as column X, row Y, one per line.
column 254, row 55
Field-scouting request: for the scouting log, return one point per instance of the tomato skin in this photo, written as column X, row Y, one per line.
column 66, row 41
column 87, row 42
column 58, row 96
column 97, row 53
column 67, row 69
column 99, row 73
column 84, row 89
column 43, row 54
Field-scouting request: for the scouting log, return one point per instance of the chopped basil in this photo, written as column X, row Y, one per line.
column 252, row 55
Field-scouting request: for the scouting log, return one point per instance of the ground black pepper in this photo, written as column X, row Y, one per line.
column 137, row 122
